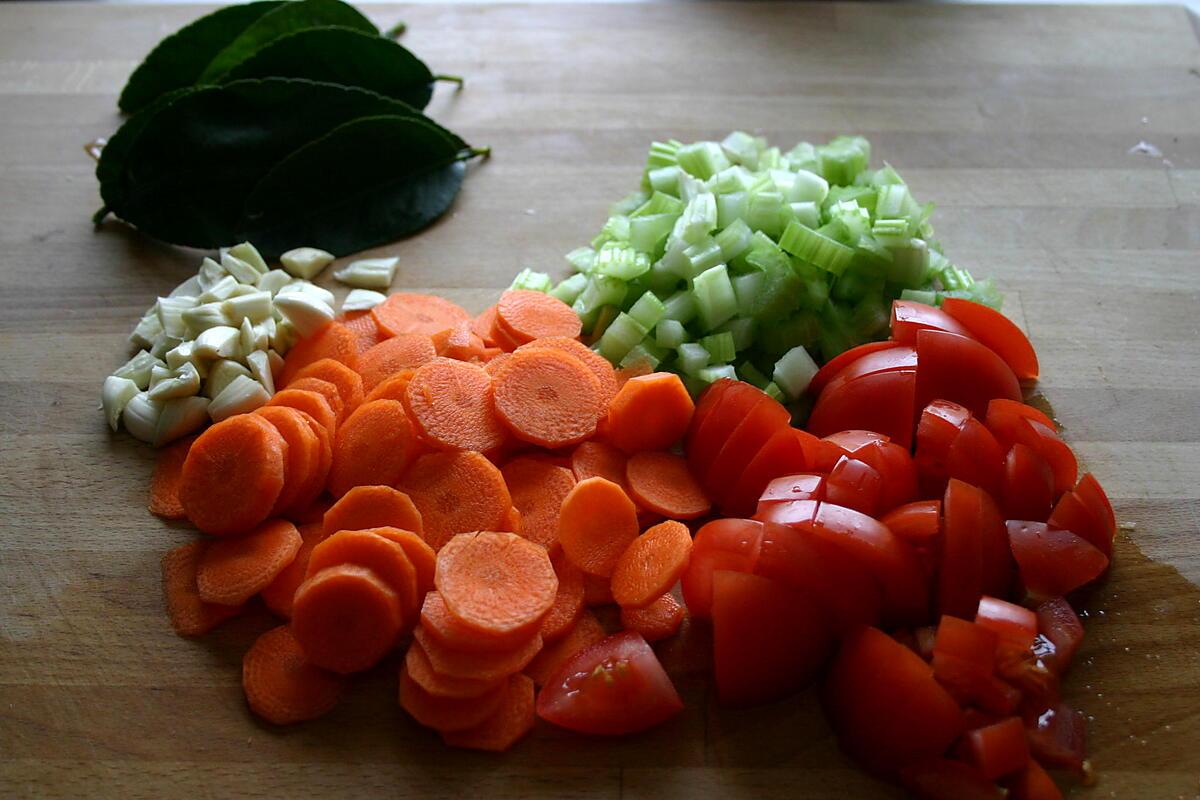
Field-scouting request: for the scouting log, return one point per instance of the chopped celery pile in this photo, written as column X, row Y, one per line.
column 737, row 259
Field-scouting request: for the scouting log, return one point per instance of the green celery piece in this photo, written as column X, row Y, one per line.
column 771, row 158
column 854, row 220
column 750, row 374
column 776, row 339
column 779, row 293
column 670, row 333
column 815, row 248
column 742, row 148
column 870, row 317
column 808, row 187
column 844, row 158
column 719, row 346
column 701, row 256
column 910, row 264
column 616, row 229
column 715, row 373
column 925, row 296
column 698, row 219
column 890, row 228
column 762, row 212
column 647, row 310
column 852, row 286
column 804, row 156
column 794, row 371
column 885, row 176
column 834, row 335
column 870, row 257
column 731, row 208
column 692, row 357
column 621, row 336
column 891, row 200
column 727, row 181
column 814, row 296
column 661, row 280
column 638, row 354
column 649, row 234
column 743, row 330
column 601, row 290
column 535, row 281
column 746, row 289
column 600, row 321
column 702, row 159
column 581, row 259
column 807, row 213
column 665, row 180
column 569, row 289
column 658, row 203
column 715, row 301
column 680, row 307
column 774, row 392
column 864, row 195
column 663, row 154
column 626, row 205
column 620, row 261
column 734, row 239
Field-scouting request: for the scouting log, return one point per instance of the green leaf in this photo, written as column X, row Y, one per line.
column 179, row 60
column 182, row 172
column 369, row 181
column 346, row 56
column 281, row 21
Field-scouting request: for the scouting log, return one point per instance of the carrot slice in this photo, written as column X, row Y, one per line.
column 166, row 480
column 479, row 666
column 403, row 312
column 507, row 724
column 311, row 403
column 416, row 664
column 568, row 601
column 316, row 487
column 393, row 388
column 537, row 489
column 391, row 356
column 597, row 363
column 303, row 454
column 650, row 412
column 596, row 459
column 481, row 326
column 363, row 326
column 493, row 365
column 235, row 569
column 189, row 615
column 365, row 507
column 346, row 618
column 233, row 475
column 279, row 595
column 548, row 398
column 638, row 369
column 495, row 583
column 512, row 522
column 281, row 686
column 383, row 557
column 587, row 632
column 451, row 403
column 445, row 713
column 450, row 632
column 595, row 525
column 421, row 555
column 652, row 564
column 459, row 343
column 327, row 390
column 348, row 382
column 663, row 483
column 503, row 339
column 375, row 446
column 527, row 315
column 597, row 591
column 334, row 341
column 659, row 620
column 456, row 492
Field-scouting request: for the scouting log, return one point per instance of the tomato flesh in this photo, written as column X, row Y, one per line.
column 708, row 401
column 1071, row 514
column 854, row 484
column 919, row 523
column 998, row 332
column 804, row 486
column 893, row 463
column 1028, row 484
column 891, row 359
column 783, row 454
column 1015, row 626
column 960, row 579
column 836, row 364
column 999, row 568
column 1000, row 749
column 937, row 430
column 1053, row 562
column 1033, row 783
column 910, row 317
column 1058, row 737
column 880, row 401
column 1060, row 626
column 723, row 544
column 707, row 437
column 1093, row 496
column 766, row 417
column 977, row 458
column 959, row 369
column 943, row 779
column 616, row 686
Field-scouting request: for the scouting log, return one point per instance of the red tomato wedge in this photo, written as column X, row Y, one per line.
column 723, row 544
column 821, row 454
column 1013, row 423
column 999, row 569
column 943, row 779
column 853, row 441
column 769, row 641
column 977, row 458
column 1060, row 626
column 1053, row 562
column 880, row 401
column 764, row 420
column 918, row 523
column 805, row 486
column 833, row 579
column 884, row 704
column 709, row 399
column 966, row 641
column 1028, row 484
column 836, row 364
column 1021, row 410
column 614, row 687
column 998, row 332
column 854, row 484
column 1015, row 626
column 937, row 430
column 1033, row 783
column 1071, row 514
column 1058, row 737
column 735, row 402
column 999, row 749
column 960, row 578
column 783, row 454
column 891, row 359
column 959, row 369
column 910, row 317
column 1093, row 496
column 893, row 463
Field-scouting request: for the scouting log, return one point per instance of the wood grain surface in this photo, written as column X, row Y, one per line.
column 1017, row 121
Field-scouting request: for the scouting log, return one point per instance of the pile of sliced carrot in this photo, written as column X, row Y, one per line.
column 446, row 493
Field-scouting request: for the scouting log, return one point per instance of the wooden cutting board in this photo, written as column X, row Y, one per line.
column 1018, row 121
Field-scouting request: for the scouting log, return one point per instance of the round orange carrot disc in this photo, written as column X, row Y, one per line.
column 281, row 685
column 303, row 453
column 495, row 582
column 346, row 618
column 449, row 632
column 597, row 522
column 189, row 615
column 451, row 403
column 334, row 341
column 537, row 489
column 663, row 483
column 650, row 565
column 312, row 403
column 348, row 382
column 383, row 557
column 597, row 363
column 445, row 713
column 548, row 398
column 659, row 620
column 416, row 663
column 279, row 595
column 456, row 492
column 527, row 315
column 235, row 569
column 164, row 483
column 325, row 389
column 392, row 388
column 506, row 726
column 372, row 507
column 392, row 356
column 374, row 446
column 403, row 312
column 233, row 475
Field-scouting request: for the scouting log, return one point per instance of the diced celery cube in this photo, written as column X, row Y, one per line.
column 794, row 372
column 670, row 333
column 692, row 357
column 680, row 307
column 534, row 281
column 569, row 289
column 715, row 301
column 716, row 373
column 647, row 310
column 719, row 346
column 620, row 337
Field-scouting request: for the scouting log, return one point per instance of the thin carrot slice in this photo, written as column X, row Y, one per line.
column 638, row 369
column 392, row 388
column 445, row 714
column 495, row 583
column 597, row 591
column 311, row 403
column 512, row 521
column 481, row 326
column 416, row 664
column 235, row 569
column 334, row 341
column 189, row 615
column 372, row 507
column 537, row 489
column 503, row 339
column 389, row 357
column 650, row 412
column 279, row 595
column 527, row 315
column 375, row 446
column 548, row 398
column 233, row 475
column 327, row 390
column 659, row 620
column 346, row 618
column 363, row 326
column 596, row 459
column 507, row 725
column 167, row 477
column 449, row 631
column 597, row 363
column 491, row 352
column 663, row 483
column 568, row 601
column 281, row 685
column 403, row 312
column 479, row 666
column 595, row 525
column 459, row 342
column 652, row 564
column 348, row 382
column 303, row 454
column 382, row 556
column 456, row 492
column 421, row 555
column 451, row 403
column 316, row 487
column 586, row 632
column 495, row 363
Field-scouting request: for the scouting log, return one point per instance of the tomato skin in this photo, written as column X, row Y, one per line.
column 943, row 779
column 791, row 513
column 997, row 332
column 803, row 486
column 891, row 359
column 999, row 567
column 1015, row 626
column 708, row 401
column 910, row 317
column 854, row 484
column 1053, row 562
column 1033, row 783
column 968, row 641
column 709, row 435
column 723, row 544
column 1061, row 627
column 964, row 658
column 1058, row 737
column 853, row 441
column 1028, row 484
column 616, row 686
column 960, row 579
column 881, row 401
column 1070, row 514
column 1011, row 423
column 884, row 704
column 1000, row 749
column 937, row 430
column 955, row 368
column 919, row 523
column 1094, row 497
column 1020, row 409
column 835, row 365
column 977, row 458
column 769, row 641
column 893, row 463
column 783, row 454
column 766, row 417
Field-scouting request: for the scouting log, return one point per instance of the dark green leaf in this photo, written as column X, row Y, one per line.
column 286, row 19
column 346, row 56
column 184, row 171
column 369, row 181
column 179, row 60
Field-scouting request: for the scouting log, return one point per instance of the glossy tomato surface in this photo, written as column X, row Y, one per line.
column 835, row 365
column 764, row 419
column 1063, row 632
column 783, row 454
column 998, row 332
column 1053, row 562
column 881, row 401
column 909, row 317
column 960, row 579
column 943, row 779
column 1028, row 484
column 919, row 523
column 1072, row 514
column 723, row 544
column 854, row 484
column 959, row 369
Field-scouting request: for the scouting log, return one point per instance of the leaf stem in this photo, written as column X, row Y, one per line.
column 475, row 152
column 397, row 30
column 458, row 79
